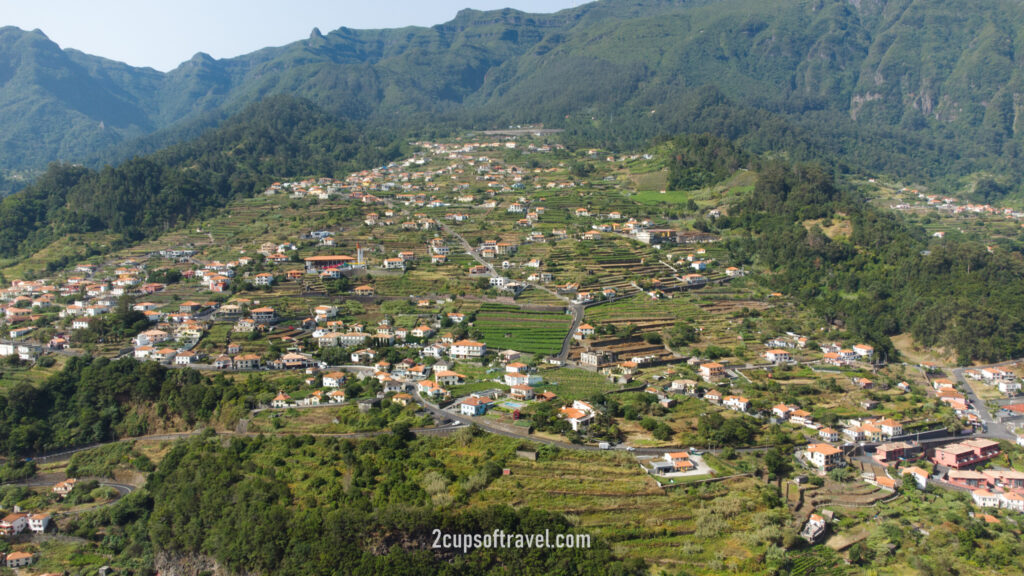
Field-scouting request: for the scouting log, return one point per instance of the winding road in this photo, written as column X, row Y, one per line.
column 575, row 309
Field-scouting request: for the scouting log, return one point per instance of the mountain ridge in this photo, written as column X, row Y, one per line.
column 910, row 76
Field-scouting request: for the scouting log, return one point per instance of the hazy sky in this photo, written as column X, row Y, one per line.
column 162, row 34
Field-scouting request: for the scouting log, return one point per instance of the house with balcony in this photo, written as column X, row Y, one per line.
column 966, row 454
column 824, row 457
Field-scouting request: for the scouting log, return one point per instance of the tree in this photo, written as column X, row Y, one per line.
column 662, row 432
column 681, row 334
column 775, row 462
column 840, row 474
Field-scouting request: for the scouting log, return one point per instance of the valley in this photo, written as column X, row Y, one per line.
column 433, row 295
column 698, row 287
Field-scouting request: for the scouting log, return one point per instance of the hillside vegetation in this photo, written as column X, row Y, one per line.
column 144, row 196
column 922, row 87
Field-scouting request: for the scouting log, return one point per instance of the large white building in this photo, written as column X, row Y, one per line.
column 468, row 349
column 824, row 456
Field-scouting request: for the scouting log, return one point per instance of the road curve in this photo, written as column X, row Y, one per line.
column 575, row 309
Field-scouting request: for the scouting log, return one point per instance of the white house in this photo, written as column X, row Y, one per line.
column 38, row 522
column 737, row 403
column 890, row 427
column 263, row 279
column 712, row 370
column 584, row 331
column 579, row 415
column 919, row 475
column 801, row 418
column 1009, row 387
column 247, row 361
column 264, row 315
column 824, row 456
column 281, row 400
column 828, row 434
column 449, row 378
column 151, row 338
column 422, row 331
column 863, row 350
column 1011, row 501
column 351, row 339
column 464, row 349
column 474, row 406
column 334, row 379
column 985, row 499
column 521, row 391
column 782, row 411
column 522, row 379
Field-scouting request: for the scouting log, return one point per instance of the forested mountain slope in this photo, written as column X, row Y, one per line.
column 917, row 86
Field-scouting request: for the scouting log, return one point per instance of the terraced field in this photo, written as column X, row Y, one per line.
column 506, row 327
column 539, row 297
column 717, row 528
column 574, row 383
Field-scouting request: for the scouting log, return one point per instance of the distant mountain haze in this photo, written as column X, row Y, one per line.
column 927, row 82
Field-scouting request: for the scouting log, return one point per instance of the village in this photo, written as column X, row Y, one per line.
column 532, row 292
column 68, row 496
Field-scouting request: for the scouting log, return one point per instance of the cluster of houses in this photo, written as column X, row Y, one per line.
column 320, row 188
column 95, row 294
column 316, row 398
column 989, row 488
column 18, row 522
column 954, row 462
column 171, row 341
column 24, row 302
column 1005, row 380
column 520, row 380
column 954, row 206
column 434, row 381
column 409, row 181
column 948, row 394
column 836, row 355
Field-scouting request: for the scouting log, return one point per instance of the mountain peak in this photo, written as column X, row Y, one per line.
column 16, row 30
column 315, row 34
column 201, row 57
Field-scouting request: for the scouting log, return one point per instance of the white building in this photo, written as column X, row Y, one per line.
column 38, row 522
column 263, row 279
column 824, row 456
column 579, row 415
column 463, row 349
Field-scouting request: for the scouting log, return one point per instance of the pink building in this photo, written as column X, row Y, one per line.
column 966, row 454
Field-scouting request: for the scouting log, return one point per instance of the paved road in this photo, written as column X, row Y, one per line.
column 995, row 429
column 575, row 309
column 469, row 249
column 483, row 424
column 122, row 491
